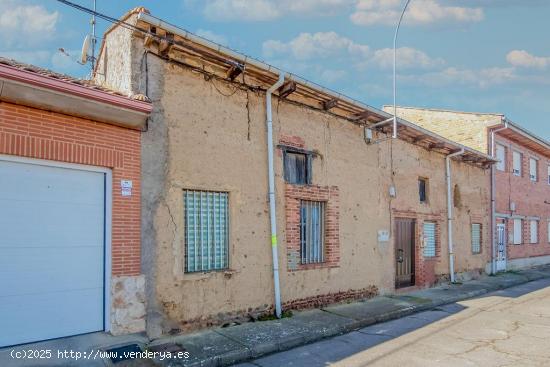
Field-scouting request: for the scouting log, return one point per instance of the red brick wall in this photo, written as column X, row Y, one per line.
column 35, row 133
column 529, row 198
column 330, row 196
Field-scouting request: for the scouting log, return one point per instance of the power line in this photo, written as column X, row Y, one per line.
column 107, row 18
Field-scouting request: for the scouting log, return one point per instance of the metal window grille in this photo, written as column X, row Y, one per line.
column 312, row 232
column 206, row 230
column 476, row 238
column 429, row 239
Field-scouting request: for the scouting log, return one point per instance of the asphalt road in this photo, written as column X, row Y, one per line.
column 505, row 328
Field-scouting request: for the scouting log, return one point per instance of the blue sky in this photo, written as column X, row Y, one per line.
column 471, row 55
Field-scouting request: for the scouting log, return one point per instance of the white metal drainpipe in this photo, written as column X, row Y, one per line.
column 450, row 213
column 272, row 208
column 493, row 201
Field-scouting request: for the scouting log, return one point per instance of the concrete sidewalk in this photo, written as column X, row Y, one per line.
column 230, row 345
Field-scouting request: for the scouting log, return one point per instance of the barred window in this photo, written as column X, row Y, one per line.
column 312, row 232
column 476, row 238
column 206, row 230
column 429, row 239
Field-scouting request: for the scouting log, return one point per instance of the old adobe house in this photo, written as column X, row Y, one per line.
column 521, row 179
column 70, row 237
column 356, row 215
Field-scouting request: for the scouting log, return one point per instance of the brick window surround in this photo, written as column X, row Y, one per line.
column 34, row 133
column 328, row 194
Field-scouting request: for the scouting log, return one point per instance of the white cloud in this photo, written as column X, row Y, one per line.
column 36, row 57
column 420, row 12
column 307, row 46
column 247, row 10
column 482, row 78
column 324, row 45
column 524, row 59
column 407, row 58
column 332, row 76
column 266, row 10
column 212, row 36
column 26, row 24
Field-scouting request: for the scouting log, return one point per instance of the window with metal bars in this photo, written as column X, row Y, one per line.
column 429, row 239
column 476, row 238
column 312, row 232
column 206, row 216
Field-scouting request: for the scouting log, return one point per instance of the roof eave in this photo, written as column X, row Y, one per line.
column 40, row 91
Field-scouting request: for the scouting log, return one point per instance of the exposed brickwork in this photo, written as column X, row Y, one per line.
column 35, row 133
column 529, row 198
column 254, row 313
column 328, row 194
column 292, row 141
column 331, row 298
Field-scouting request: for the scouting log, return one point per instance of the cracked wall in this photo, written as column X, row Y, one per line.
column 207, row 134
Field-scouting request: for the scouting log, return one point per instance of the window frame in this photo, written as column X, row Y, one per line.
column 225, row 250
column 426, row 182
column 501, row 164
column 535, row 240
column 308, row 253
column 548, row 178
column 480, row 239
column 517, row 172
column 424, row 238
column 533, row 176
column 516, row 234
column 308, row 164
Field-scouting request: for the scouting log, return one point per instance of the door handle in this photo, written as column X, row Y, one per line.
column 400, row 255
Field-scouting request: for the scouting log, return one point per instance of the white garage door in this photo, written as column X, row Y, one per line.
column 52, row 228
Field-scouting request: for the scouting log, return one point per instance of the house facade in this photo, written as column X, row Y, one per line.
column 69, row 207
column 354, row 213
column 521, row 179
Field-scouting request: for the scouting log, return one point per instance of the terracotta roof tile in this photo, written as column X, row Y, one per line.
column 67, row 78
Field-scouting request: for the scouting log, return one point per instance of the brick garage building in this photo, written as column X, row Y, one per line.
column 522, row 179
column 70, row 244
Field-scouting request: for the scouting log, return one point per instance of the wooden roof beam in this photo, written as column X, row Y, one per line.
column 287, row 89
column 234, row 71
column 327, row 105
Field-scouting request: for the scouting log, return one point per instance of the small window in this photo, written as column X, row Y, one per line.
column 297, row 168
column 423, row 190
column 548, row 232
column 312, row 232
column 548, row 175
column 429, row 239
column 501, row 157
column 517, row 231
column 476, row 238
column 533, row 169
column 534, row 231
column 206, row 230
column 516, row 169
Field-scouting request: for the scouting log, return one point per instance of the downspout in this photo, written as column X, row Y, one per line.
column 493, row 200
column 272, row 208
column 450, row 212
